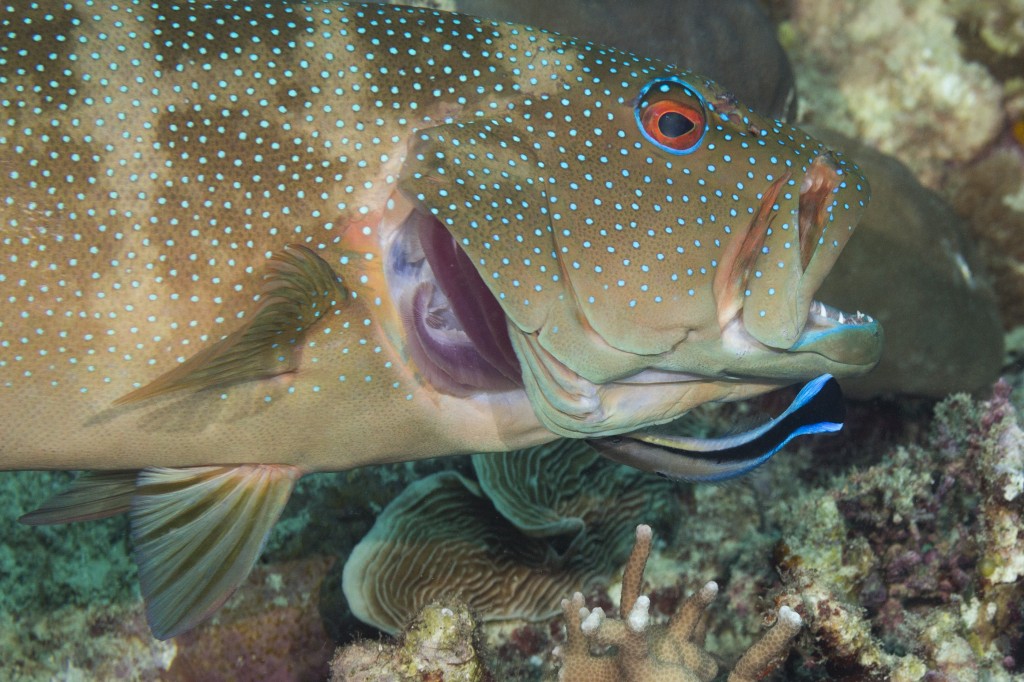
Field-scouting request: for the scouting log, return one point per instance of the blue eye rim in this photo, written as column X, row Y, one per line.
column 698, row 101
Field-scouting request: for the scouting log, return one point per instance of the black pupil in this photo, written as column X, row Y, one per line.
column 674, row 124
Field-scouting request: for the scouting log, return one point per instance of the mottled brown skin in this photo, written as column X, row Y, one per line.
column 80, row 273
column 157, row 164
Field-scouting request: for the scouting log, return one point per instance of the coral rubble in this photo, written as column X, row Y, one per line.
column 911, row 569
column 440, row 644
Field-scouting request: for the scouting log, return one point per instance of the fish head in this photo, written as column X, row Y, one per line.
column 651, row 243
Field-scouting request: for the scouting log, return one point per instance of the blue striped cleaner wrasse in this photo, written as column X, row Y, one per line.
column 245, row 242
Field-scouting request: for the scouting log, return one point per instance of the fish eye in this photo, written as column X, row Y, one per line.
column 671, row 114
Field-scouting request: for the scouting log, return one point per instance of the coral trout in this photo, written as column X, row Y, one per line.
column 244, row 242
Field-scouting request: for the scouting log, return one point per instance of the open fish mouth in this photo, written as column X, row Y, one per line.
column 823, row 316
column 455, row 329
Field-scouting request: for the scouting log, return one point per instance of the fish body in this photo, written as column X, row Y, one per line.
column 243, row 243
column 155, row 160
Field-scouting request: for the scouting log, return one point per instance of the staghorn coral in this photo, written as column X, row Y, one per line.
column 633, row 649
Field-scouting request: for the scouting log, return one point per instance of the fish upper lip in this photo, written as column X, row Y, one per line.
column 820, row 317
column 748, row 254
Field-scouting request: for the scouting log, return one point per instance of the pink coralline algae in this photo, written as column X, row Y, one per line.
column 912, row 569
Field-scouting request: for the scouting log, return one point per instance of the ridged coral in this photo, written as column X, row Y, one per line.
column 535, row 524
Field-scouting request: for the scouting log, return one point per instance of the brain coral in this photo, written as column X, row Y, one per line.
column 539, row 523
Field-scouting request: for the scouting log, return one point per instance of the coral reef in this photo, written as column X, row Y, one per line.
column 911, row 569
column 268, row 631
column 907, row 93
column 992, row 32
column 633, row 649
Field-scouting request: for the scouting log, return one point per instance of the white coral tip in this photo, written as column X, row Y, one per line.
column 592, row 621
column 709, row 591
column 643, row 531
column 790, row 618
column 640, row 615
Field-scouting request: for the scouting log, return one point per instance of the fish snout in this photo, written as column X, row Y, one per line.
column 772, row 270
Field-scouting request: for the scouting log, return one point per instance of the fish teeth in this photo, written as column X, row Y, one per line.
column 819, row 309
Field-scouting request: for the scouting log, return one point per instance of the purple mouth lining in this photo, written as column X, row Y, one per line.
column 457, row 330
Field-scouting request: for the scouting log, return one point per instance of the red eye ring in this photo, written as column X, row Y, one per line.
column 671, row 114
column 673, row 124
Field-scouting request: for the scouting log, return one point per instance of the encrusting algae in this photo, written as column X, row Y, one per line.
column 440, row 644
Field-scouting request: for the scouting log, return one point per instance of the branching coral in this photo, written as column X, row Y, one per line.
column 633, row 649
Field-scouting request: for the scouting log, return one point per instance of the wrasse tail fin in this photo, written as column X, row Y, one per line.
column 299, row 288
column 817, row 408
column 197, row 533
column 93, row 495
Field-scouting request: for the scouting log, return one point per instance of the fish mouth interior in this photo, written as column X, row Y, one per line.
column 823, row 316
column 457, row 332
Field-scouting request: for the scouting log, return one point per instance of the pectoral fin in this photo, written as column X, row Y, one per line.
column 299, row 288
